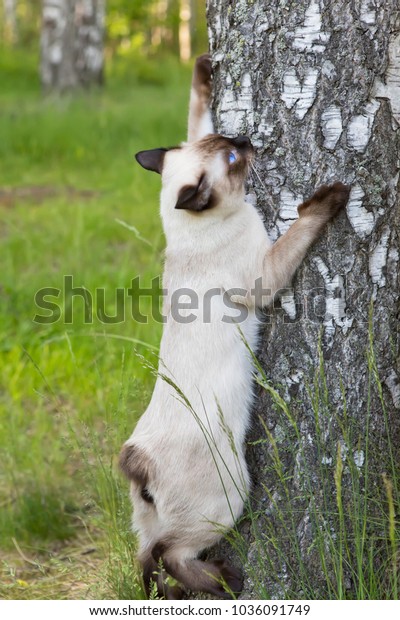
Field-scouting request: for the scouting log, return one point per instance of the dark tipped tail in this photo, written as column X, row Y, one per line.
column 215, row 577
column 155, row 581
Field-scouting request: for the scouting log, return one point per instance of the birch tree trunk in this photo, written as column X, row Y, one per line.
column 10, row 21
column 316, row 86
column 185, row 43
column 72, row 44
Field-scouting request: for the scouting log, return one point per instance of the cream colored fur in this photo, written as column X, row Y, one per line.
column 192, row 435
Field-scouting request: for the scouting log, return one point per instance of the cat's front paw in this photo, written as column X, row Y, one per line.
column 327, row 201
column 202, row 75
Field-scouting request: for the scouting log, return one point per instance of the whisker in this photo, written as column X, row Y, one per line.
column 255, row 171
column 252, row 177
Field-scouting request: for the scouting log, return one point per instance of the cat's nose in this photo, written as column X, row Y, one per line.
column 242, row 142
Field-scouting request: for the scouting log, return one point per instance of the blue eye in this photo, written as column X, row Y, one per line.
column 232, row 157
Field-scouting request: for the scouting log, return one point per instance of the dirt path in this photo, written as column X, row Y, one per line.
column 37, row 194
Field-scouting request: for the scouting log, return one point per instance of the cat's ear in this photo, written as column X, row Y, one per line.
column 152, row 160
column 196, row 197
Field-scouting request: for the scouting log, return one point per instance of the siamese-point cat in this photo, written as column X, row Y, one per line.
column 186, row 456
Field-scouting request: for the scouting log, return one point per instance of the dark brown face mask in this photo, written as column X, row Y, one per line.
column 200, row 197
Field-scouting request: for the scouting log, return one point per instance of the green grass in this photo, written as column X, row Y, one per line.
column 70, row 393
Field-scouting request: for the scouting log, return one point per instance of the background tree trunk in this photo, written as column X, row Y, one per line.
column 316, row 86
column 72, row 43
column 185, row 43
column 10, row 21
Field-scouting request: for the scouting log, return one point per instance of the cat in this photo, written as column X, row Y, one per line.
column 186, row 457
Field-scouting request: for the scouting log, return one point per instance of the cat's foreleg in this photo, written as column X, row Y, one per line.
column 283, row 258
column 200, row 120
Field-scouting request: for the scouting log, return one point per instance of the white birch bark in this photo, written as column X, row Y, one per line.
column 72, row 43
column 316, row 86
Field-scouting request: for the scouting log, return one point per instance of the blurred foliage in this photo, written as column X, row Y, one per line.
column 153, row 25
column 27, row 23
column 148, row 27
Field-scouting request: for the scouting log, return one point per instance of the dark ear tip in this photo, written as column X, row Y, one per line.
column 151, row 160
column 137, row 156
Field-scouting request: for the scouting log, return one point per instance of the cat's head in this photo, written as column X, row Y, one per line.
column 203, row 176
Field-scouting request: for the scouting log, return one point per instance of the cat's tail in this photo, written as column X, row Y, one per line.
column 155, row 579
column 215, row 577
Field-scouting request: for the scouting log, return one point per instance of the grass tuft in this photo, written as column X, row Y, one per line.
column 339, row 517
